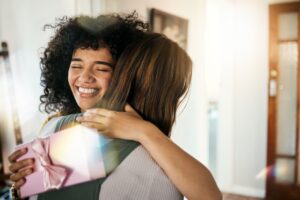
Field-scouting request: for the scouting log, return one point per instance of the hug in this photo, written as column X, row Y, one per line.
column 112, row 76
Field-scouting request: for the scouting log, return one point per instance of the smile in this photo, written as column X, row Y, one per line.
column 87, row 92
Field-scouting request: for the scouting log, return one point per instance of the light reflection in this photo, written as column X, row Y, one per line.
column 282, row 172
column 265, row 172
column 79, row 149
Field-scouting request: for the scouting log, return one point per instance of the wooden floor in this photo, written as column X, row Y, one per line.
column 227, row 196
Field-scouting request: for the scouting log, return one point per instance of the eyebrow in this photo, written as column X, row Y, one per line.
column 96, row 62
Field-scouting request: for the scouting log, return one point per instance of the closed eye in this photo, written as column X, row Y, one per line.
column 76, row 67
column 103, row 70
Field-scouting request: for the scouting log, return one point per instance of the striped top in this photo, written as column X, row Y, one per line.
column 139, row 177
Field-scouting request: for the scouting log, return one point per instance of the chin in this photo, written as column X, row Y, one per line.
column 85, row 104
column 86, row 107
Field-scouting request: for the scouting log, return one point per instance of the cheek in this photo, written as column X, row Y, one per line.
column 71, row 79
column 105, row 83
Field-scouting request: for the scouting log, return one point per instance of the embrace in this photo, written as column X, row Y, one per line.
column 112, row 75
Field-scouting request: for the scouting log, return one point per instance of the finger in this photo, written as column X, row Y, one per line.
column 100, row 111
column 19, row 183
column 91, row 117
column 20, row 175
column 98, row 126
column 20, row 164
column 130, row 109
column 17, row 154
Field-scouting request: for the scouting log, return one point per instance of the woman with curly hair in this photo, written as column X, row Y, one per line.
column 152, row 75
column 110, row 32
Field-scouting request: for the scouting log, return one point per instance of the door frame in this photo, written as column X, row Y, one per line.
column 274, row 10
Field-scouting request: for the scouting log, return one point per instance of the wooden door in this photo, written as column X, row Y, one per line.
column 283, row 180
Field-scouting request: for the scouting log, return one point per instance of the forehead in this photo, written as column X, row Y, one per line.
column 101, row 54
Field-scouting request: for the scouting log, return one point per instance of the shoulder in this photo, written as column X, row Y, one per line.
column 139, row 177
column 50, row 117
column 48, row 127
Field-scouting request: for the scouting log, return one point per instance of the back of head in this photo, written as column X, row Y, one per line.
column 152, row 75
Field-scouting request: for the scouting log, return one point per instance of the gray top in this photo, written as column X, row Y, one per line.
column 139, row 177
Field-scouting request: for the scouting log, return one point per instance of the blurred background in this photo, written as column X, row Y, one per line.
column 241, row 118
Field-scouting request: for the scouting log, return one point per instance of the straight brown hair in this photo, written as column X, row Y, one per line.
column 152, row 75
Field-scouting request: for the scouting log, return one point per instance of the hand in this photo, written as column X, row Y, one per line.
column 127, row 125
column 20, row 169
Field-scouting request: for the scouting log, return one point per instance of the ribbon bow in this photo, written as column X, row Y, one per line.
column 53, row 175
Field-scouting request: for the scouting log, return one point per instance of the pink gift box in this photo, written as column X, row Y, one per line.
column 75, row 151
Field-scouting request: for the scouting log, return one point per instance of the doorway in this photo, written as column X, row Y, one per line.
column 283, row 159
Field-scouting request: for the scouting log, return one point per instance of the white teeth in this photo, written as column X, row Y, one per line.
column 87, row 90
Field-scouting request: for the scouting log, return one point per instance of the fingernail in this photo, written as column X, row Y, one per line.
column 86, row 113
column 28, row 171
column 90, row 111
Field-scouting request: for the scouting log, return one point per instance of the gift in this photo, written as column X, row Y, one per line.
column 63, row 159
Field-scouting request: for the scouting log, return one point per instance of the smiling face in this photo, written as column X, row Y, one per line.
column 89, row 76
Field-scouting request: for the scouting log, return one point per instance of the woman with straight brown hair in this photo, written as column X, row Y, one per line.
column 149, row 82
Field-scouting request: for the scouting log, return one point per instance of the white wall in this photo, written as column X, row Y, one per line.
column 251, row 94
column 237, row 76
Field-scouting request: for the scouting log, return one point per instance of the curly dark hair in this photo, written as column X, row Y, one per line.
column 113, row 31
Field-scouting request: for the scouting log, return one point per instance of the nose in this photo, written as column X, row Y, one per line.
column 86, row 76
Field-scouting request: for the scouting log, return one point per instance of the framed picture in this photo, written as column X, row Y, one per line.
column 174, row 27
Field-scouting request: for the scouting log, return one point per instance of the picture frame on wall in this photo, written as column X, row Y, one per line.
column 174, row 27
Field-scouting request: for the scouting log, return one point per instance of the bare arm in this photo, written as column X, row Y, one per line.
column 190, row 177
